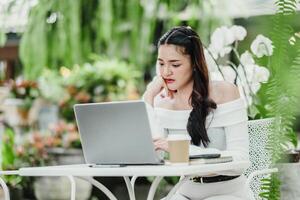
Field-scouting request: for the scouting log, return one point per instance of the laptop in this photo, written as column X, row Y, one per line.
column 116, row 133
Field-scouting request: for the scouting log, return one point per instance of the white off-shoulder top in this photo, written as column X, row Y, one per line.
column 226, row 128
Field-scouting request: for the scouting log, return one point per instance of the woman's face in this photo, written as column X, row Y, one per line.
column 174, row 66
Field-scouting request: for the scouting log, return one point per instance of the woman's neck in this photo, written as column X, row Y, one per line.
column 183, row 94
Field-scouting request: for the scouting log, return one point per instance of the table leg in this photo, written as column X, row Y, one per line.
column 5, row 189
column 133, row 179
column 153, row 187
column 73, row 187
column 100, row 186
column 175, row 188
column 129, row 188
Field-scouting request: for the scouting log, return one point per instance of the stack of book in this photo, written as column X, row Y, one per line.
column 222, row 159
column 207, row 156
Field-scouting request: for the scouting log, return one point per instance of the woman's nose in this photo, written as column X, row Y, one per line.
column 167, row 70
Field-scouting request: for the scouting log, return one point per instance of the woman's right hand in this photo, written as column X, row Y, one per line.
column 155, row 86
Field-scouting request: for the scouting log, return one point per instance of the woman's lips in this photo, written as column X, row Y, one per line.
column 169, row 80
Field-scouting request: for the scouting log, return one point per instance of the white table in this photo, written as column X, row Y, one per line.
column 87, row 173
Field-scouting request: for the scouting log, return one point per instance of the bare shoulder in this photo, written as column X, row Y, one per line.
column 223, row 91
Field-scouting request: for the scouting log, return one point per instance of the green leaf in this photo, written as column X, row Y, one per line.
column 281, row 93
column 2, row 38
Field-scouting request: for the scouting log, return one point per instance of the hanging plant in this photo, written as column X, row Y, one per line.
column 65, row 33
column 52, row 37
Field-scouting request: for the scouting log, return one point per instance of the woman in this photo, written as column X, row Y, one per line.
column 214, row 115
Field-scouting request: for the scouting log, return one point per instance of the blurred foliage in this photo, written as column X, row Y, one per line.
column 2, row 38
column 50, row 84
column 14, row 156
column 283, row 88
column 9, row 158
column 280, row 96
column 64, row 33
column 264, row 25
column 27, row 91
column 282, row 91
column 64, row 135
column 101, row 80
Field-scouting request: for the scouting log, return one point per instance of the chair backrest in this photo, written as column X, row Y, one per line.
column 260, row 158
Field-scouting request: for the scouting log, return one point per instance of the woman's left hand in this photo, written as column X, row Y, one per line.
column 161, row 144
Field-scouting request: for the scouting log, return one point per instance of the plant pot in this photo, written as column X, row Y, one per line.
column 14, row 113
column 291, row 157
column 62, row 156
column 4, row 91
column 289, row 174
column 59, row 188
column 23, row 114
column 11, row 112
column 15, row 193
column 46, row 113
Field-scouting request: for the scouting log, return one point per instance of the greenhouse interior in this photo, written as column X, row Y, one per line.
column 157, row 99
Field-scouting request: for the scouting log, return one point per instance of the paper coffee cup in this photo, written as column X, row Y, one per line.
column 179, row 148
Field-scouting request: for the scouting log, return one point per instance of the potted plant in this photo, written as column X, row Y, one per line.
column 102, row 80
column 64, row 145
column 22, row 94
column 53, row 147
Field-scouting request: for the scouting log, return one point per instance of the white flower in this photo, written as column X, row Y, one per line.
column 218, row 50
column 245, row 91
column 238, row 32
column 262, row 46
column 253, row 73
column 216, row 76
column 229, row 73
column 245, row 72
column 247, row 87
column 225, row 50
column 211, row 64
column 222, row 35
column 249, row 80
column 214, row 51
column 261, row 74
column 246, row 58
column 221, row 39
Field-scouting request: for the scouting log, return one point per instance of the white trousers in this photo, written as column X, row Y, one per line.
column 226, row 190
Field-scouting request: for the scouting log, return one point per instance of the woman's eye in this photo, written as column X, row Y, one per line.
column 176, row 65
column 161, row 64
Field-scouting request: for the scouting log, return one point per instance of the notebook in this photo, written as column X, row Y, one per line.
column 222, row 159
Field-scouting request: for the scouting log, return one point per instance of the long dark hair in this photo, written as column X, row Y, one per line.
column 190, row 41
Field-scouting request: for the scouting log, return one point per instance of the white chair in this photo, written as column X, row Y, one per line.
column 259, row 130
column 260, row 158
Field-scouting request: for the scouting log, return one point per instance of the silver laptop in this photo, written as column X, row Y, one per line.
column 115, row 133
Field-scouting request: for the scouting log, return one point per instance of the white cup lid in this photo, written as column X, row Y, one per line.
column 173, row 137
